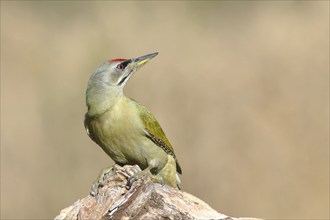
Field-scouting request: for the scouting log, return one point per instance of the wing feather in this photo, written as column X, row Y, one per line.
column 155, row 133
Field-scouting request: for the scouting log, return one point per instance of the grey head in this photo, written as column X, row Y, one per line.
column 108, row 80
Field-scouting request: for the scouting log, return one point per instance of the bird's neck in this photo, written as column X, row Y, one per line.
column 101, row 98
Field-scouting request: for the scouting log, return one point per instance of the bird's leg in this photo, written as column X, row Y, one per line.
column 155, row 166
column 141, row 174
column 159, row 172
column 151, row 171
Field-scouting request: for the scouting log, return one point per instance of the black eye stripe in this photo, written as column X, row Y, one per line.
column 123, row 65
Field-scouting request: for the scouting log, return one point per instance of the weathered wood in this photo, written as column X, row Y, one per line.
column 144, row 199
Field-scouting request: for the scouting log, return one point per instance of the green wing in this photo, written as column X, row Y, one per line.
column 155, row 133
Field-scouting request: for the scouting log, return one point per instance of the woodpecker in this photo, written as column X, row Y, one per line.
column 126, row 130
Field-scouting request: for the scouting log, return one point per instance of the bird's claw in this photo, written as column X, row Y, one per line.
column 138, row 175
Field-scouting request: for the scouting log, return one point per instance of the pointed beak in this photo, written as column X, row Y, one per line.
column 140, row 61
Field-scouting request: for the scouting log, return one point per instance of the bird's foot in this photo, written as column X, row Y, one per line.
column 99, row 182
column 142, row 174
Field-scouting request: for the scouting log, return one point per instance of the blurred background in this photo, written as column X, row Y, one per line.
column 240, row 88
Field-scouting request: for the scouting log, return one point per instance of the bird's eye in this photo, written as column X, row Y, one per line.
column 120, row 66
column 123, row 65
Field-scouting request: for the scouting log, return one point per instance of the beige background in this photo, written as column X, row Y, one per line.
column 240, row 88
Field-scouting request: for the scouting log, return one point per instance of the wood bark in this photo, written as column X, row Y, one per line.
column 118, row 198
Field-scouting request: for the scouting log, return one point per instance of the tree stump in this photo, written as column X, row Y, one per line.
column 143, row 199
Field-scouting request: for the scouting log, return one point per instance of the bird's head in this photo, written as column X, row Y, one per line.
column 107, row 82
column 116, row 72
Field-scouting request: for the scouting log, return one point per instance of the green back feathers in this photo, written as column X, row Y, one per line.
column 155, row 133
